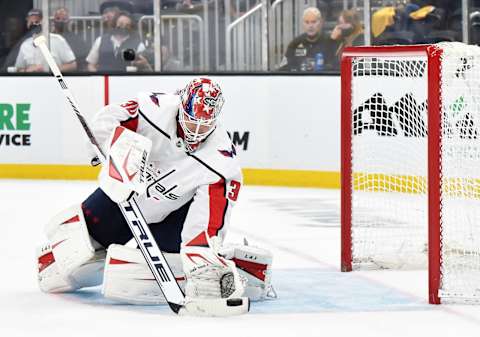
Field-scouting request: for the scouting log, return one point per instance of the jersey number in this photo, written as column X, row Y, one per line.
column 234, row 189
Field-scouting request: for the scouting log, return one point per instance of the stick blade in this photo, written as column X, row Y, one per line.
column 175, row 307
column 220, row 307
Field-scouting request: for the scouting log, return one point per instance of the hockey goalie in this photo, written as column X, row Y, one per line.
column 170, row 152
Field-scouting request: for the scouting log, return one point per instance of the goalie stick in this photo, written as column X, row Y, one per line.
column 141, row 232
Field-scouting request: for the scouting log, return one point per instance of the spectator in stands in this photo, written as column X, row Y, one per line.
column 107, row 53
column 474, row 37
column 61, row 20
column 186, row 4
column 429, row 24
column 348, row 32
column 445, row 4
column 382, row 20
column 10, row 34
column 415, row 21
column 33, row 23
column 312, row 50
column 169, row 62
column 110, row 10
column 30, row 58
column 108, row 15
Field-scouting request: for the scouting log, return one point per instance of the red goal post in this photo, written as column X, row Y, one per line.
column 410, row 153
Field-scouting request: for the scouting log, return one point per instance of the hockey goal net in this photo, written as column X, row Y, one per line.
column 411, row 163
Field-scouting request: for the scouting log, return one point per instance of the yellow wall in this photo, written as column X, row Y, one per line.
column 292, row 178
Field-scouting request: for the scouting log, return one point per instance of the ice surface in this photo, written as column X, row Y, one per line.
column 301, row 227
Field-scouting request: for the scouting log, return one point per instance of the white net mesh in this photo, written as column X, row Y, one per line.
column 389, row 165
column 460, row 150
column 389, row 162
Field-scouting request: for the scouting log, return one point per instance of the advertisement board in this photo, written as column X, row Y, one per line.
column 285, row 128
column 37, row 126
column 287, row 122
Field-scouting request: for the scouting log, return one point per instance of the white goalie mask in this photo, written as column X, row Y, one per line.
column 201, row 104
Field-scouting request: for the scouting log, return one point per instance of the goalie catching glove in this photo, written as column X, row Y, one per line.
column 123, row 172
column 208, row 274
column 254, row 264
column 227, row 271
column 213, row 283
column 128, row 279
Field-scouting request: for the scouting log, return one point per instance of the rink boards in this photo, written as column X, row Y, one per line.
column 286, row 128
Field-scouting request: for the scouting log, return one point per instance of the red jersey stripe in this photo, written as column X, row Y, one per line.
column 218, row 206
column 75, row 218
column 117, row 261
column 199, row 240
column 131, row 124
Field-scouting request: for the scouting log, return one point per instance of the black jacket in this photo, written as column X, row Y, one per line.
column 302, row 53
column 109, row 60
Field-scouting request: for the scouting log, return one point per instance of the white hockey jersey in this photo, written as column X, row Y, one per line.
column 211, row 175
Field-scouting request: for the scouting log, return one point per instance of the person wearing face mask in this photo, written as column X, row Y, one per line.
column 108, row 17
column 107, row 51
column 110, row 10
column 33, row 23
column 312, row 50
column 61, row 21
column 30, row 58
column 348, row 32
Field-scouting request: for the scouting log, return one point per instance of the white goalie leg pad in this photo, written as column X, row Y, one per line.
column 255, row 265
column 128, row 279
column 125, row 167
column 72, row 259
column 49, row 277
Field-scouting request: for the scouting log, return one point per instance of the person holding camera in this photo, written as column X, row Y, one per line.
column 119, row 50
column 348, row 32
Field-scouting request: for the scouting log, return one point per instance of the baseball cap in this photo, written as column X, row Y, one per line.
column 36, row 12
column 121, row 5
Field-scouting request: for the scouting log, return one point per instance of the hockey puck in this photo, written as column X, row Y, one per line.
column 234, row 302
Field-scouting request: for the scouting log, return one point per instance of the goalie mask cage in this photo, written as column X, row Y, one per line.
column 411, row 163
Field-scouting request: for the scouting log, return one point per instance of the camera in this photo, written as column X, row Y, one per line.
column 128, row 55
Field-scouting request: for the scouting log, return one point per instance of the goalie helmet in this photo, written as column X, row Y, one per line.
column 201, row 104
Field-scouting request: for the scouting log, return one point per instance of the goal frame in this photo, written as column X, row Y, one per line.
column 433, row 56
